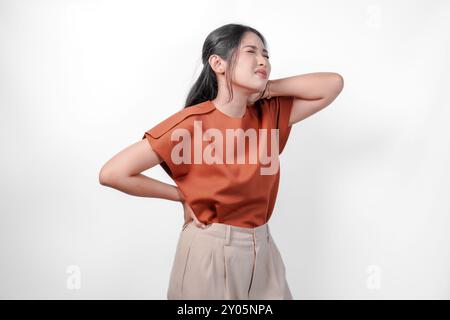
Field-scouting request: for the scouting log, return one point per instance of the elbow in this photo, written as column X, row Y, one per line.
column 106, row 177
column 335, row 86
column 339, row 83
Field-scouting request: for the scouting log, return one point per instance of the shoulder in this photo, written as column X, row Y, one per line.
column 278, row 106
column 179, row 117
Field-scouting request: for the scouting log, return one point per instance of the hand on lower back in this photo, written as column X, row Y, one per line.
column 189, row 216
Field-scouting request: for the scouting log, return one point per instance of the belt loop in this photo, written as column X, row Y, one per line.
column 227, row 235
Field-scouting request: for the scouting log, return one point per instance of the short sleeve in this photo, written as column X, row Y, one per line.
column 280, row 110
column 164, row 143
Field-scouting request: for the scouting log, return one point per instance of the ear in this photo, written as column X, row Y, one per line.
column 217, row 63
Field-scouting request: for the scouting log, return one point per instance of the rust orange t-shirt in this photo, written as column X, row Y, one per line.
column 209, row 156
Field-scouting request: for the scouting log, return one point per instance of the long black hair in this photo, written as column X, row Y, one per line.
column 224, row 42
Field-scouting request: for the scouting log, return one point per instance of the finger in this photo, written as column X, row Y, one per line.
column 199, row 224
column 196, row 221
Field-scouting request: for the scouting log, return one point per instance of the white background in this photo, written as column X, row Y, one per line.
column 363, row 205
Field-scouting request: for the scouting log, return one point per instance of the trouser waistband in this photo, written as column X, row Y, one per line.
column 235, row 234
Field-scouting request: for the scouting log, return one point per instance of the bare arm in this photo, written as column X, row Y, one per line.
column 312, row 92
column 123, row 172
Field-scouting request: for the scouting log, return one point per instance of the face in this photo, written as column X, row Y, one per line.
column 252, row 55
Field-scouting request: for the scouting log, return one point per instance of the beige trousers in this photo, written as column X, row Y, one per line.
column 227, row 262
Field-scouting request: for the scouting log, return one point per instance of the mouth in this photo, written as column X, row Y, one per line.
column 261, row 74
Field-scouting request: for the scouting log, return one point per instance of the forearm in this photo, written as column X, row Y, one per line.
column 142, row 186
column 309, row 86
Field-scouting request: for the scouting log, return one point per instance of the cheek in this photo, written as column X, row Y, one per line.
column 246, row 62
column 244, row 72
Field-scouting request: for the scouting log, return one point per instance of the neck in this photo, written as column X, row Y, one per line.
column 235, row 108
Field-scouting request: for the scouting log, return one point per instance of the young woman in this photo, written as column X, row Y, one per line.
column 227, row 186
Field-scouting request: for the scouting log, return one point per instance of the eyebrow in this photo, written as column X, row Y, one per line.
column 255, row 47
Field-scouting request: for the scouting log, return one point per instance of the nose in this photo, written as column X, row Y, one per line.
column 263, row 62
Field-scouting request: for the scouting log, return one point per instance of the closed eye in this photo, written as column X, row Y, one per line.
column 264, row 56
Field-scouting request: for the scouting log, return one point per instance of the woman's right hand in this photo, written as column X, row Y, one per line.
column 189, row 216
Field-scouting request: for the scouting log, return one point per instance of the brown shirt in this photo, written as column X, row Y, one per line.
column 205, row 165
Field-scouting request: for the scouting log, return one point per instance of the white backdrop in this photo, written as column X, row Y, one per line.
column 363, row 205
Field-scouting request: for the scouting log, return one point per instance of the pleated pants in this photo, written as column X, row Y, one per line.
column 227, row 262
